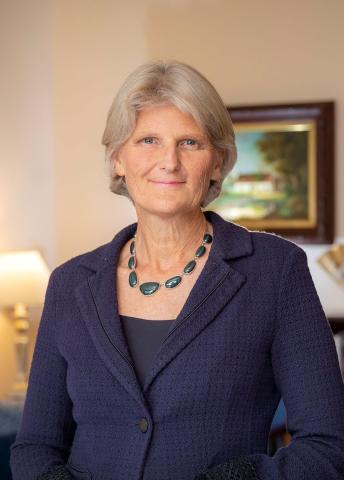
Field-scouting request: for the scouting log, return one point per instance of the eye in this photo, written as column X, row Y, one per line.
column 147, row 140
column 190, row 142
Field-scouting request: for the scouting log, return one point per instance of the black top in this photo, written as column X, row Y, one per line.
column 144, row 338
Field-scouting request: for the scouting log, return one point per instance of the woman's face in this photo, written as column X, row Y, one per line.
column 167, row 162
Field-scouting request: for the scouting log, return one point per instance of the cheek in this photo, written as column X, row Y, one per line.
column 137, row 170
column 128, row 168
column 202, row 171
column 137, row 164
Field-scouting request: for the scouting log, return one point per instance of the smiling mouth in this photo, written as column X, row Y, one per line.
column 167, row 182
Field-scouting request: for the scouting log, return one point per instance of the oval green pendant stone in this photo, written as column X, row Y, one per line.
column 133, row 279
column 200, row 251
column 131, row 263
column 207, row 238
column 132, row 247
column 149, row 288
column 189, row 266
column 173, row 281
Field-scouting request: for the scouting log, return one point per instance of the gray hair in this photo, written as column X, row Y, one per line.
column 155, row 83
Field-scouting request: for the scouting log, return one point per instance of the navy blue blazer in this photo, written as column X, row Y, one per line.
column 252, row 330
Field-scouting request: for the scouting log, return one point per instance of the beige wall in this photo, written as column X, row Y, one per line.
column 62, row 62
column 26, row 145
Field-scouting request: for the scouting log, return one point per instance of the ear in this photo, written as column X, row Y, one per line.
column 117, row 163
column 218, row 161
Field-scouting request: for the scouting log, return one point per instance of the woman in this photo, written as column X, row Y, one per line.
column 164, row 353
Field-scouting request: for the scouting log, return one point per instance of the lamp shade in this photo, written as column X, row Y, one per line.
column 333, row 262
column 24, row 277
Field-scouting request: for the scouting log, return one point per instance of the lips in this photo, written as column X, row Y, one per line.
column 167, row 182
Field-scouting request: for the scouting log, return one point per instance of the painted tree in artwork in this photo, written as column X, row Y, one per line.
column 286, row 153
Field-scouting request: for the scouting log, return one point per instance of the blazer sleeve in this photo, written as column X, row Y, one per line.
column 307, row 374
column 47, row 427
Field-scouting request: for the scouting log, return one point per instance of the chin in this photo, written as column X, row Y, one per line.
column 167, row 208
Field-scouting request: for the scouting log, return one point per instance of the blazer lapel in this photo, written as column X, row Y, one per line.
column 97, row 302
column 215, row 287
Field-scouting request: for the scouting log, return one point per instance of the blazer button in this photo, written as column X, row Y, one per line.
column 143, row 425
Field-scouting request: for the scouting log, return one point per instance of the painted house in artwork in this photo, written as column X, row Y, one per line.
column 252, row 183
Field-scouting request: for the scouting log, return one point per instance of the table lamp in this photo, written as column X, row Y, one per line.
column 24, row 277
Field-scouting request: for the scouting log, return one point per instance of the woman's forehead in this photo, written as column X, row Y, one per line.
column 163, row 116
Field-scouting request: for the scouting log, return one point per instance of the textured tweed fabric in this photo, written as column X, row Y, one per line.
column 239, row 469
column 58, row 472
column 251, row 331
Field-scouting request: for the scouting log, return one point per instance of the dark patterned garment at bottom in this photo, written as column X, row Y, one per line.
column 239, row 469
column 56, row 472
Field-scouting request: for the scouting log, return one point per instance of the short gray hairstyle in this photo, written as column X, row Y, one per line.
column 177, row 83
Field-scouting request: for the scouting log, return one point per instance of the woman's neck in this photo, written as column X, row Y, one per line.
column 164, row 243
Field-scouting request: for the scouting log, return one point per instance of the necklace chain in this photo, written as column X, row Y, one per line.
column 149, row 288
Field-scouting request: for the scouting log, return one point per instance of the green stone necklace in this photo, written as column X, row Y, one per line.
column 148, row 288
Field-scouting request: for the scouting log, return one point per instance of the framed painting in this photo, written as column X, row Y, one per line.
column 283, row 180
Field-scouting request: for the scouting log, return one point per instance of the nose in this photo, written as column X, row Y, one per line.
column 169, row 158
